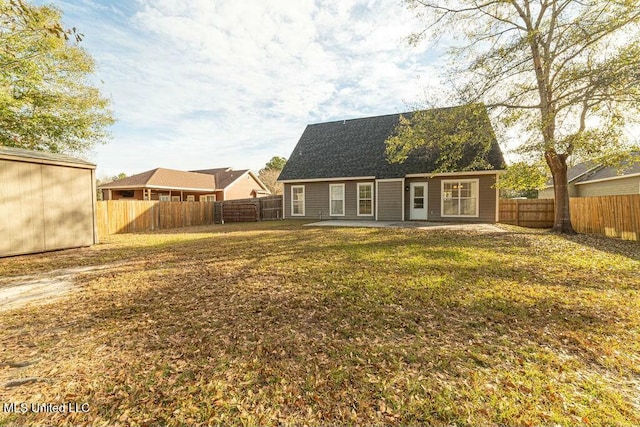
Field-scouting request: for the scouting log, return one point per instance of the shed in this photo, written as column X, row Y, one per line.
column 47, row 202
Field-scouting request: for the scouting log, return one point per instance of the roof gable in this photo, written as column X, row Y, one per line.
column 223, row 176
column 585, row 172
column 607, row 172
column 356, row 148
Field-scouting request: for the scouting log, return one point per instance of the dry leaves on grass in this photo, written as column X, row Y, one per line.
column 289, row 325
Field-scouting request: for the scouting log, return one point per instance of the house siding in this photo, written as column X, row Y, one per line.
column 389, row 206
column 612, row 187
column 547, row 193
column 316, row 196
column 486, row 198
column 242, row 187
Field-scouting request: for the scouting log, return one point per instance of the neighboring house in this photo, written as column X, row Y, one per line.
column 338, row 170
column 175, row 185
column 236, row 184
column 588, row 179
column 47, row 202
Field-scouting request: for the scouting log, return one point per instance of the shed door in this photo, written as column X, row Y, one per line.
column 418, row 200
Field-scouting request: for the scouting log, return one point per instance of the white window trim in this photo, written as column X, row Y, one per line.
column 208, row 198
column 304, row 200
column 344, row 196
column 459, row 181
column 362, row 184
column 164, row 198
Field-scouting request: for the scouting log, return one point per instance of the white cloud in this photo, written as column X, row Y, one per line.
column 199, row 84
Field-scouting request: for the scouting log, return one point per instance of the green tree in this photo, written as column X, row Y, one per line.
column 106, row 180
column 46, row 100
column 276, row 163
column 564, row 73
column 523, row 179
column 270, row 172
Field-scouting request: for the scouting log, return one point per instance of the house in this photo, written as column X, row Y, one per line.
column 588, row 179
column 338, row 170
column 175, row 185
column 47, row 202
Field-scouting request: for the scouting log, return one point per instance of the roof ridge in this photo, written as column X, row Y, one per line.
column 587, row 173
column 396, row 114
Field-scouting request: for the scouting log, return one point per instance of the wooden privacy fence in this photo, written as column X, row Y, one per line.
column 534, row 213
column 613, row 216
column 247, row 210
column 132, row 216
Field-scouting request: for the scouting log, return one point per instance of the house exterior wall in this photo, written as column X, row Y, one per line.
column 611, row 187
column 317, row 200
column 45, row 207
column 390, row 200
column 155, row 194
column 547, row 193
column 241, row 188
column 487, row 198
column 118, row 195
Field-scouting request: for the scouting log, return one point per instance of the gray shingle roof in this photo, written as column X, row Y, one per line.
column 592, row 171
column 625, row 168
column 43, row 156
column 356, row 148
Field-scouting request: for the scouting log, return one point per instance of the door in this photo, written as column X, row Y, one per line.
column 418, row 200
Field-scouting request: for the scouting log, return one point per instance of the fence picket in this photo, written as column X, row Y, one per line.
column 614, row 216
column 134, row 216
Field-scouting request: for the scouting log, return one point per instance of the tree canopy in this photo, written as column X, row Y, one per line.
column 270, row 172
column 457, row 139
column 564, row 74
column 47, row 101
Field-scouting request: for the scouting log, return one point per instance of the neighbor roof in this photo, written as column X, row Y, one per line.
column 588, row 171
column 356, row 148
column 223, row 176
column 166, row 178
column 577, row 172
column 43, row 157
column 612, row 172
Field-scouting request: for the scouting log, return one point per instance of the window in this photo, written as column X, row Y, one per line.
column 208, row 198
column 165, row 198
column 365, row 199
column 336, row 199
column 460, row 197
column 418, row 197
column 127, row 194
column 297, row 200
column 175, row 198
column 191, row 198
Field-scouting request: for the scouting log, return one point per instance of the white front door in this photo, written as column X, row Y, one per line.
column 418, row 200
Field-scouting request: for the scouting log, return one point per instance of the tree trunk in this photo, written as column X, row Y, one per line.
column 562, row 218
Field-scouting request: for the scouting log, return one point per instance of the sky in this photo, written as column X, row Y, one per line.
column 199, row 84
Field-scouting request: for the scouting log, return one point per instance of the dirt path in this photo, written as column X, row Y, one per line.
column 16, row 292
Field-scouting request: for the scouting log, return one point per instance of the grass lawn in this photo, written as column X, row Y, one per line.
column 274, row 323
